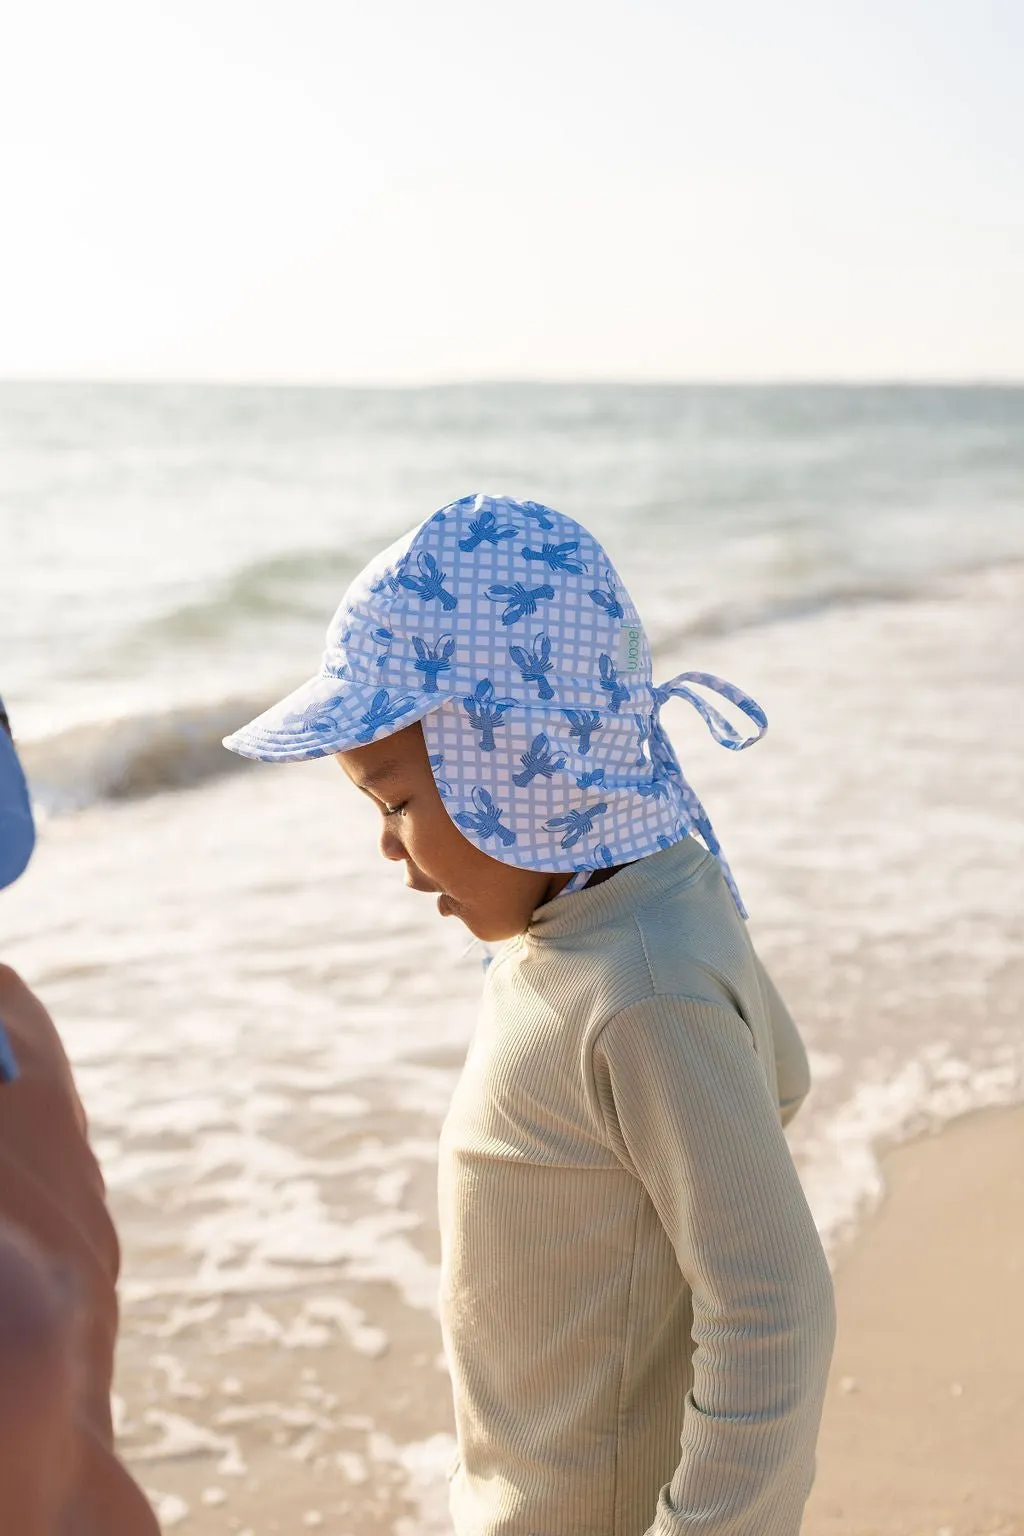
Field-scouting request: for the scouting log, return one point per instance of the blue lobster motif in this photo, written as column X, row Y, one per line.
column 382, row 712
column 444, row 789
column 534, row 664
column 390, row 579
column 654, row 789
column 539, row 760
column 384, row 638
column 485, row 712
column 583, row 723
column 522, row 601
column 318, row 717
column 485, row 527
column 336, row 669
column 618, row 693
column 539, row 513
column 605, row 857
column 433, row 660
column 662, row 756
column 487, row 821
column 342, row 624
column 680, row 832
column 608, row 600
column 576, row 823
column 587, row 780
column 429, row 584
column 557, row 556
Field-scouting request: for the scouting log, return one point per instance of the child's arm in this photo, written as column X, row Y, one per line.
column 792, row 1072
column 688, row 1108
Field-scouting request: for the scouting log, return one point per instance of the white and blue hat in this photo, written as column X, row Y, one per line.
column 505, row 629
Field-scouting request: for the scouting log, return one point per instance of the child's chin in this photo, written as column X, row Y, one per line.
column 489, row 930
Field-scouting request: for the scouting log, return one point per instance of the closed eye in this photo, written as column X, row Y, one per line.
column 395, row 810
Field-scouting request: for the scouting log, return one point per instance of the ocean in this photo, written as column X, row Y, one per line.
column 266, row 1026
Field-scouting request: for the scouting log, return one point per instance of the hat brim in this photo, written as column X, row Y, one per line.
column 326, row 715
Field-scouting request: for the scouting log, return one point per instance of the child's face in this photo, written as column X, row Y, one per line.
column 495, row 901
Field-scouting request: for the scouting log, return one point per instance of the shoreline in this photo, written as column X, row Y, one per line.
column 924, row 1412
column 923, row 1427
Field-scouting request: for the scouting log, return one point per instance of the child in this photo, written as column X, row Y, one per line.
column 637, row 1313
column 59, row 1258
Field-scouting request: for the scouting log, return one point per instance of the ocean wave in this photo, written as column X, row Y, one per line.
column 296, row 584
column 134, row 756
column 731, row 618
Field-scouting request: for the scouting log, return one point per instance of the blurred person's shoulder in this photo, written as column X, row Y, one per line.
column 50, row 1180
column 36, row 1046
column 52, row 1190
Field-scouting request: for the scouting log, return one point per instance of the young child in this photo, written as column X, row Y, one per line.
column 637, row 1312
column 59, row 1259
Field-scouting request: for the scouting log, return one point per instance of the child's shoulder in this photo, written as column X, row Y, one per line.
column 671, row 929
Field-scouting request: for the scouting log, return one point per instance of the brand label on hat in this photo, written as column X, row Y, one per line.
column 630, row 648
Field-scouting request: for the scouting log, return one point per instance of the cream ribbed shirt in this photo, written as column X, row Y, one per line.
column 630, row 1269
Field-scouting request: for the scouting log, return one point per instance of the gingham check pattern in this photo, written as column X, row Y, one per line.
column 504, row 627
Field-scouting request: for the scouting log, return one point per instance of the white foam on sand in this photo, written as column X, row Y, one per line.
column 423, row 1463
column 266, row 1028
column 840, row 1159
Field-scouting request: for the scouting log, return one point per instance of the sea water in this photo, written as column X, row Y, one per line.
column 266, row 1026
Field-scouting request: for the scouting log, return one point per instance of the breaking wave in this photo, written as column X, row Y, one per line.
column 136, row 755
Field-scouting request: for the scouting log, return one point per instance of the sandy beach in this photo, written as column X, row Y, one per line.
column 923, row 1432
column 267, row 1030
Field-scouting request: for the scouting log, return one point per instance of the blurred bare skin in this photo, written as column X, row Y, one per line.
column 38, row 1390
column 57, row 1334
column 59, row 1261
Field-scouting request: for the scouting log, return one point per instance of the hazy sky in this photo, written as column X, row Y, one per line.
column 430, row 189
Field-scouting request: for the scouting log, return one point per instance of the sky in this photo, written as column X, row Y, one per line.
column 409, row 191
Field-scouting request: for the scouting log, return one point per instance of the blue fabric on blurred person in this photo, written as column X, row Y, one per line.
column 17, row 839
column 17, row 829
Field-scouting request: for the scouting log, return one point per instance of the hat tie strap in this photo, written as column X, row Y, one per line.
column 721, row 729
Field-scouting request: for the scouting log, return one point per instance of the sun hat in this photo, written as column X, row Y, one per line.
column 505, row 629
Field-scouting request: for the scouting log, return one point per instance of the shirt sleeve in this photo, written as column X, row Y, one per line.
column 792, row 1071
column 689, row 1112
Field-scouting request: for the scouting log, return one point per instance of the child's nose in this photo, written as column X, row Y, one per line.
column 389, row 844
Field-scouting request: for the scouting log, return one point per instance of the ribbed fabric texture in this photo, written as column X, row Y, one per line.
column 637, row 1312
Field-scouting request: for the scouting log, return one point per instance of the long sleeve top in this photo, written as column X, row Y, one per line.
column 51, row 1187
column 637, row 1312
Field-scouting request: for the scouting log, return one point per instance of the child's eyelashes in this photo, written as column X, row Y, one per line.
column 395, row 810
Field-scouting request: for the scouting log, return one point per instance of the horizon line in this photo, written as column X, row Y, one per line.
column 567, row 381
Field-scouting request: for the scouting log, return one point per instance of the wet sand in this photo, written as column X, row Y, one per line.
column 923, row 1432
